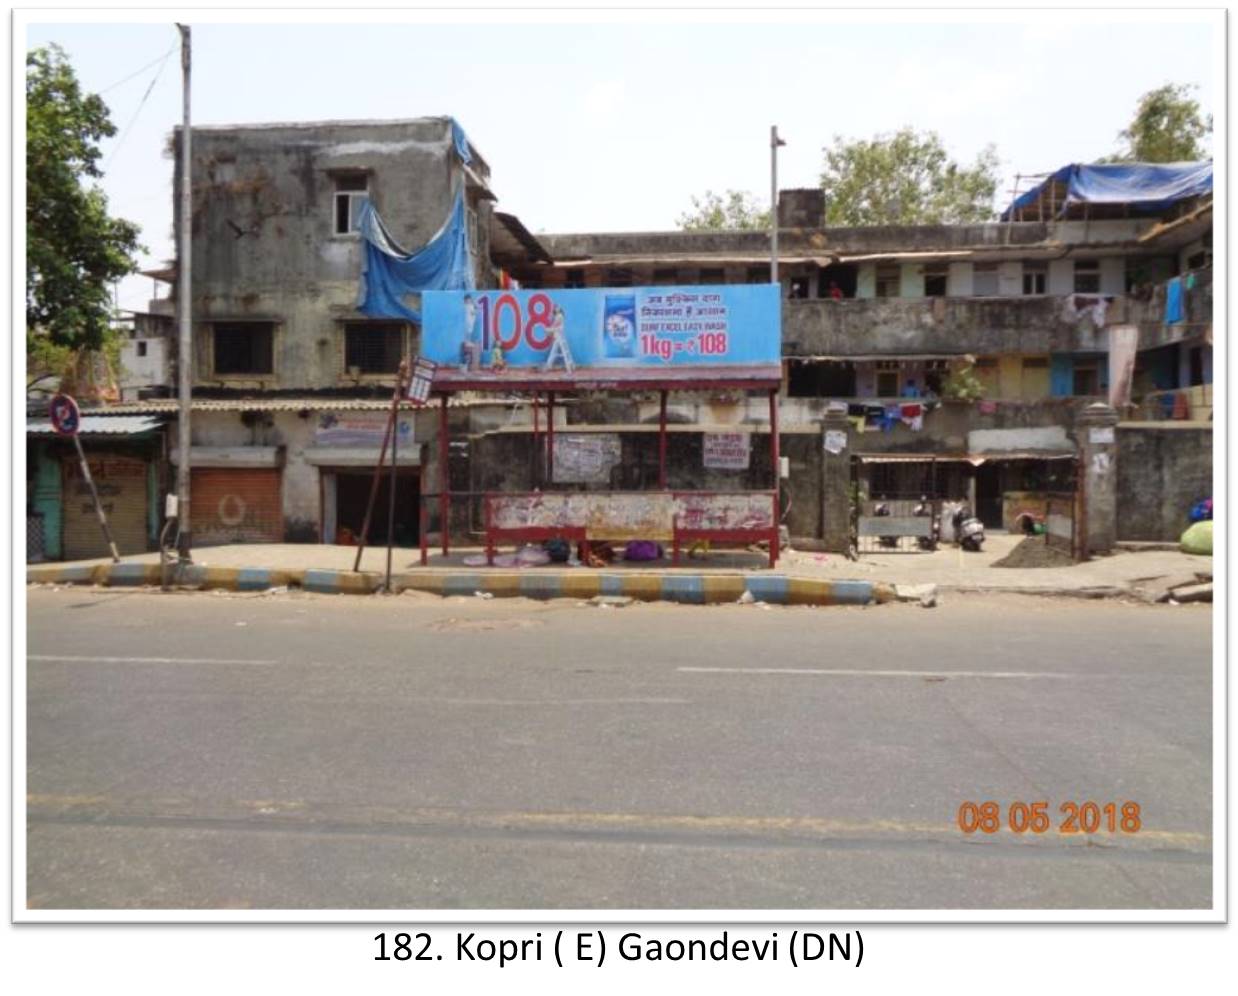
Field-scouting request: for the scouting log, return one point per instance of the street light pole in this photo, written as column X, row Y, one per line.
column 774, row 142
column 184, row 364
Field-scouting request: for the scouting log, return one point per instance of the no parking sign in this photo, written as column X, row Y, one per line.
column 66, row 419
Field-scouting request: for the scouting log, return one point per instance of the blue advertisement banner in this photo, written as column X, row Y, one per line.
column 625, row 333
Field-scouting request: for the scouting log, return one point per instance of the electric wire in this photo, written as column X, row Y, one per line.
column 129, row 127
column 137, row 72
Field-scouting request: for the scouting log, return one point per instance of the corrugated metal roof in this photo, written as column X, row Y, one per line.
column 170, row 406
column 99, row 425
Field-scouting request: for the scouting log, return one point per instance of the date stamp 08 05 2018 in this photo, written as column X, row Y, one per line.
column 1034, row 817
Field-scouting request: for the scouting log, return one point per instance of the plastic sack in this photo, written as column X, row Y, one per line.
column 642, row 550
column 559, row 550
column 1198, row 539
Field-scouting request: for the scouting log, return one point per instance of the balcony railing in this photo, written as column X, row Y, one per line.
column 946, row 325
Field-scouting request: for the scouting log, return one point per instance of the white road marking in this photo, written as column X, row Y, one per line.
column 141, row 660
column 862, row 673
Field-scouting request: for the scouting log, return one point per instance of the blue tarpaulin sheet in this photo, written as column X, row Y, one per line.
column 392, row 278
column 1150, row 186
column 1173, row 301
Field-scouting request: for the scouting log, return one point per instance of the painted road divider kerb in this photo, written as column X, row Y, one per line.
column 644, row 586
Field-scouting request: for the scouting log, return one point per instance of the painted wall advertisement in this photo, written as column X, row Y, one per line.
column 726, row 450
column 628, row 333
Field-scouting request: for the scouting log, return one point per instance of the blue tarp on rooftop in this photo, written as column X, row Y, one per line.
column 1148, row 186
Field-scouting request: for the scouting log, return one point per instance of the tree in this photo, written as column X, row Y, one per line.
column 733, row 210
column 74, row 249
column 905, row 178
column 1168, row 128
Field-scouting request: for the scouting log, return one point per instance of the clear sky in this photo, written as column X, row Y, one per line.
column 613, row 127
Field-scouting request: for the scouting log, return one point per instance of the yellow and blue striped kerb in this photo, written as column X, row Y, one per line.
column 647, row 586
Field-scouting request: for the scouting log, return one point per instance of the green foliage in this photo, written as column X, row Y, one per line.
column 963, row 385
column 74, row 249
column 1168, row 127
column 905, row 178
column 734, row 210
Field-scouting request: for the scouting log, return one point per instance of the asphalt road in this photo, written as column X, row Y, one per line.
column 299, row 751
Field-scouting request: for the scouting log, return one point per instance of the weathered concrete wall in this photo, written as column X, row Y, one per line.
column 264, row 246
column 893, row 326
column 1163, row 469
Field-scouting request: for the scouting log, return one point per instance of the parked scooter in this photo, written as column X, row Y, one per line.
column 882, row 509
column 968, row 530
column 926, row 508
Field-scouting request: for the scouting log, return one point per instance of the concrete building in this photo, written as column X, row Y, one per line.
column 292, row 381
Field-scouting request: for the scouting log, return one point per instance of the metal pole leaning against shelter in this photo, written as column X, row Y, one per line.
column 401, row 379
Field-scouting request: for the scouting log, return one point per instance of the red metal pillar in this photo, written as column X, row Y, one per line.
column 662, row 443
column 550, row 438
column 537, row 441
column 776, row 461
column 444, row 477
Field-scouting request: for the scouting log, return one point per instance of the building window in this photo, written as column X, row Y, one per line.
column 1086, row 380
column 984, row 280
column 574, row 278
column 244, row 348
column 1034, row 278
column 888, row 279
column 935, row 373
column 1087, row 276
column 141, row 348
column 935, row 278
column 758, row 275
column 619, row 278
column 888, row 372
column 713, row 276
column 799, row 288
column 373, row 347
column 662, row 278
column 351, row 194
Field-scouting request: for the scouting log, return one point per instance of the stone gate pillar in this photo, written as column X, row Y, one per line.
column 835, row 483
column 1096, row 436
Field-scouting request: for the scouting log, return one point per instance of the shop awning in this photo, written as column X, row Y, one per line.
column 975, row 459
column 96, row 425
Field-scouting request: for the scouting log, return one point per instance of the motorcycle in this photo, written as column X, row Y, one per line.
column 925, row 509
column 968, row 530
column 889, row 542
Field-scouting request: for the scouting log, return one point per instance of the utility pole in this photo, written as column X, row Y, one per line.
column 184, row 364
column 774, row 142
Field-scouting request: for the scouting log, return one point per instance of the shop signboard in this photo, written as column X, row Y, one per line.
column 359, row 430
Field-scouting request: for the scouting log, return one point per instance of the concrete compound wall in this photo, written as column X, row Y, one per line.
column 1163, row 469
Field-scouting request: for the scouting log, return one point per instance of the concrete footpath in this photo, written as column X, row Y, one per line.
column 800, row 578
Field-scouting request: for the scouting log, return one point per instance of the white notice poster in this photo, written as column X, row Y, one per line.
column 727, row 450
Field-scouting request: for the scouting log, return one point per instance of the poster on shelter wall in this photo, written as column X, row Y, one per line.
column 586, row 458
column 626, row 333
column 359, row 430
column 726, row 450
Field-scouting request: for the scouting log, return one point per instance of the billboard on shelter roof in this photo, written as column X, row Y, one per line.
column 624, row 334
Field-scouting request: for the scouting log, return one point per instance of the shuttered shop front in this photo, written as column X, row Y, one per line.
column 236, row 505
column 121, row 482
